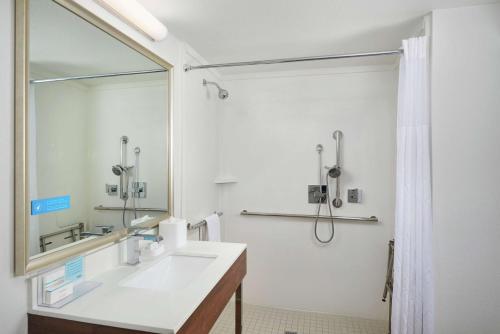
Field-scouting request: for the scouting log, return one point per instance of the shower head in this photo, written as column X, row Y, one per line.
column 119, row 170
column 334, row 172
column 223, row 94
column 123, row 173
column 319, row 148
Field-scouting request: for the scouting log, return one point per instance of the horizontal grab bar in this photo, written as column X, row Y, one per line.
column 78, row 226
column 118, row 208
column 294, row 215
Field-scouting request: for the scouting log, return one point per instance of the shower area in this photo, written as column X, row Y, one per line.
column 315, row 271
column 279, row 133
column 321, row 162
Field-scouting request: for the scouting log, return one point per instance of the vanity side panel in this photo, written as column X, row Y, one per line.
column 205, row 316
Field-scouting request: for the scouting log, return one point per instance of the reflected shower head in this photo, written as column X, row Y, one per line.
column 223, row 94
column 118, row 170
column 123, row 173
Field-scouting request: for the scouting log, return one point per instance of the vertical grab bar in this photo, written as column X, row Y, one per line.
column 337, row 136
column 123, row 163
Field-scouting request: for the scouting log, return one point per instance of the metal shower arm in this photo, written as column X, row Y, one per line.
column 205, row 82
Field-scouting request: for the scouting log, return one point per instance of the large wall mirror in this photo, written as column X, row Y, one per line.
column 93, row 133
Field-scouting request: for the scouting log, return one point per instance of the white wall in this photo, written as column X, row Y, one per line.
column 13, row 304
column 466, row 156
column 269, row 130
column 200, row 146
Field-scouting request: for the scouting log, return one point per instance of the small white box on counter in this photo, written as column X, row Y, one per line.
column 54, row 295
column 54, row 278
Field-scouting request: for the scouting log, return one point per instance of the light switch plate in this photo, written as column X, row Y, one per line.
column 354, row 195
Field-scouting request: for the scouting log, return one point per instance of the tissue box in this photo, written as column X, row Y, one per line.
column 174, row 232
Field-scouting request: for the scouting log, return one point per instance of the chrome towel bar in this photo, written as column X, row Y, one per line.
column 293, row 215
column 200, row 223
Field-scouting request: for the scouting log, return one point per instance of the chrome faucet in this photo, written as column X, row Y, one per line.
column 133, row 249
column 105, row 229
column 87, row 234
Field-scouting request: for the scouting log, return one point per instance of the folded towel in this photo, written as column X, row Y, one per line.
column 213, row 227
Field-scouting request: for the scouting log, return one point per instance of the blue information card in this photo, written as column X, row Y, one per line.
column 74, row 269
column 46, row 205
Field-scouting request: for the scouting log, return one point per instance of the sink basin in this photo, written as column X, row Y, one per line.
column 172, row 273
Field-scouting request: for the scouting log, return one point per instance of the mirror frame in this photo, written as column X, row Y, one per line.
column 23, row 263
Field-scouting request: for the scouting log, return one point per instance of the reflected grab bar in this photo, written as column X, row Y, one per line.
column 118, row 208
column 293, row 215
column 70, row 228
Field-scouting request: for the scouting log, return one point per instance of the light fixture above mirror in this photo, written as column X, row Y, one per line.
column 137, row 16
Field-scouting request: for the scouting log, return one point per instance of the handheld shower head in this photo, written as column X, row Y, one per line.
column 118, row 170
column 334, row 172
column 223, row 94
column 123, row 173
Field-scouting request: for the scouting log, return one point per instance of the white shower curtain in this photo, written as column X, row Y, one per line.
column 413, row 306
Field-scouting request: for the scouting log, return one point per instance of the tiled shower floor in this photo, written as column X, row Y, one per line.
column 267, row 320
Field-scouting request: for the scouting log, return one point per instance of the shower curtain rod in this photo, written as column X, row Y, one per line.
column 293, row 60
column 96, row 76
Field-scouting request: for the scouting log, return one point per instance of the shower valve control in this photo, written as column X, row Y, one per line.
column 112, row 189
column 354, row 195
column 139, row 189
column 316, row 193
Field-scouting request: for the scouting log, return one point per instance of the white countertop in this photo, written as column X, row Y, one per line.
column 148, row 310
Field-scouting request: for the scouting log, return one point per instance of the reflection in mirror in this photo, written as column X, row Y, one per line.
column 98, row 154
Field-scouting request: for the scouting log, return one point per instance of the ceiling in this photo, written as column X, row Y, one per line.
column 237, row 30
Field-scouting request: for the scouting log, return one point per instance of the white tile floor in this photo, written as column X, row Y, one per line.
column 266, row 320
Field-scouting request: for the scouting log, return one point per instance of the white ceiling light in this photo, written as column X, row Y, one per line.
column 135, row 14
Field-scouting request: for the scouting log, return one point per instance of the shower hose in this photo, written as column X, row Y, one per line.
column 125, row 209
column 321, row 199
column 331, row 215
column 123, row 212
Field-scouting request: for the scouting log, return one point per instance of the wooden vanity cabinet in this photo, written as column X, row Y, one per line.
column 200, row 322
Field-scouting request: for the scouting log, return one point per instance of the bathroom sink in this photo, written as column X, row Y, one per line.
column 172, row 273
